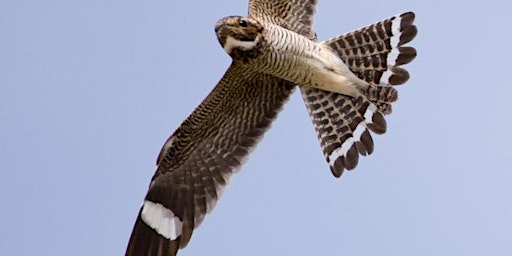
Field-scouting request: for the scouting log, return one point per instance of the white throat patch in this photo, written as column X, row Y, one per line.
column 232, row 43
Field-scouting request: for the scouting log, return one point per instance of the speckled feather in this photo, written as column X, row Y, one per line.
column 294, row 15
column 209, row 146
column 198, row 160
column 366, row 50
column 336, row 116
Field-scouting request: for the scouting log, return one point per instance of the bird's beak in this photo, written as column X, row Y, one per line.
column 220, row 31
column 219, row 26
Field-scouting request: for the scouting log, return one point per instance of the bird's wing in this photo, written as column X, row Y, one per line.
column 374, row 54
column 295, row 15
column 197, row 161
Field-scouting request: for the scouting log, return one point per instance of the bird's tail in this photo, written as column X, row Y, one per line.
column 374, row 54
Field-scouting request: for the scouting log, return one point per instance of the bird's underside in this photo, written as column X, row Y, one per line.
column 347, row 84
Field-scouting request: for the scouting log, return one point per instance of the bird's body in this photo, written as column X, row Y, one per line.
column 347, row 84
column 288, row 55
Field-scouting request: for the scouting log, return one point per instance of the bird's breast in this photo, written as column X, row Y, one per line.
column 295, row 58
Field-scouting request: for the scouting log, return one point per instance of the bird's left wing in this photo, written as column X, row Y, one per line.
column 196, row 162
column 295, row 15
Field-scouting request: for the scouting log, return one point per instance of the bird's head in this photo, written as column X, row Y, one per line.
column 238, row 35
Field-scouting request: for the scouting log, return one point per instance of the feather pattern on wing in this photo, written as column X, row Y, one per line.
column 294, row 15
column 198, row 160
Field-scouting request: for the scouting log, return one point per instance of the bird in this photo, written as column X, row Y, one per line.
column 347, row 84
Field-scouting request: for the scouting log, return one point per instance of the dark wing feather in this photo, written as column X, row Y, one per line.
column 295, row 15
column 198, row 160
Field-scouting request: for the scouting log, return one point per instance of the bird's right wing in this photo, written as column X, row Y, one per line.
column 294, row 15
column 197, row 161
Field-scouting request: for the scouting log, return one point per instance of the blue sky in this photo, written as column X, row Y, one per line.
column 90, row 91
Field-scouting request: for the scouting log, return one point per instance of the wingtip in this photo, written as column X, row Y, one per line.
column 145, row 241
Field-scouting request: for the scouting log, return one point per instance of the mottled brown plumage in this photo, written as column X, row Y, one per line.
column 273, row 50
column 210, row 145
column 196, row 162
column 294, row 15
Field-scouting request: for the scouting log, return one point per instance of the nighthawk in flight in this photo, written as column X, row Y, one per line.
column 347, row 83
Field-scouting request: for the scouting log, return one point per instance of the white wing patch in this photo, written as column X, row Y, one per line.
column 161, row 219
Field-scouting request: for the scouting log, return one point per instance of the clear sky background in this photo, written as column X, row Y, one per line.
column 90, row 91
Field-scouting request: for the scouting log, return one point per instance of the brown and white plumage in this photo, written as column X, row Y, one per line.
column 294, row 15
column 373, row 54
column 202, row 154
column 273, row 50
column 196, row 162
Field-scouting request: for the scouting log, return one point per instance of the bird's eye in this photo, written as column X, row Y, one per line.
column 242, row 23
